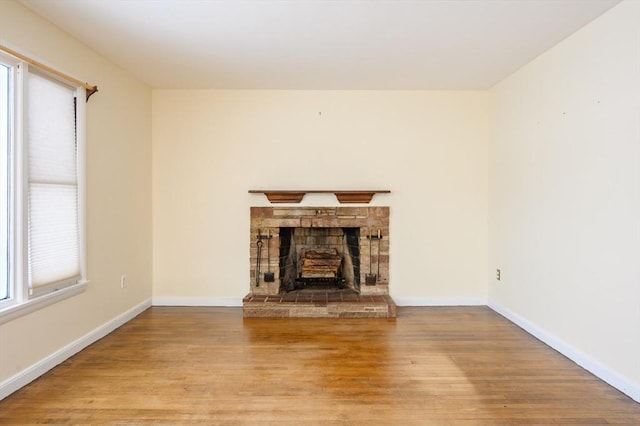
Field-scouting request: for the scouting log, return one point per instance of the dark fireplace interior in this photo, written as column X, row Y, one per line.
column 319, row 258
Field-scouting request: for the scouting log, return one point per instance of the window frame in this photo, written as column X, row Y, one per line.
column 13, row 292
column 19, row 301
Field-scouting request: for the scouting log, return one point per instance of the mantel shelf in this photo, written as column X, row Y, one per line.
column 344, row 196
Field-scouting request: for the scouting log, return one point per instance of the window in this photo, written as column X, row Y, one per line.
column 5, row 117
column 41, row 188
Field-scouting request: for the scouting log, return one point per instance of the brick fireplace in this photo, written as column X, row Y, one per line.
column 319, row 262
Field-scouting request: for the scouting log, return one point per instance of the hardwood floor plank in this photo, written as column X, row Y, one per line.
column 464, row 365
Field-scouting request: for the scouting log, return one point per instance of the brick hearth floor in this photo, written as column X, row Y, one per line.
column 319, row 303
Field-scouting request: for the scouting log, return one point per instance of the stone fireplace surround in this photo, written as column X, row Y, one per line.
column 367, row 297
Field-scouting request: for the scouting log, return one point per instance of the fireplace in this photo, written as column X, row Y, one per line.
column 319, row 261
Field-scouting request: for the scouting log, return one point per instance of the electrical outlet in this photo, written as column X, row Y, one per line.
column 498, row 274
column 123, row 281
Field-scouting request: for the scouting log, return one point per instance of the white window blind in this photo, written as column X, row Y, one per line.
column 52, row 190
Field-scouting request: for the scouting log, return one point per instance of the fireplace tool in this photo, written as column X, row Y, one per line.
column 370, row 278
column 378, row 256
column 258, row 255
column 269, row 276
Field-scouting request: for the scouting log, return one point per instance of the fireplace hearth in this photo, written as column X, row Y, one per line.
column 319, row 261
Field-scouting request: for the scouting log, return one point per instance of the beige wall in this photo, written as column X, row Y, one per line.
column 118, row 194
column 564, row 199
column 428, row 148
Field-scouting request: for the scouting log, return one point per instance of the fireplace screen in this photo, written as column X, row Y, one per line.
column 319, row 258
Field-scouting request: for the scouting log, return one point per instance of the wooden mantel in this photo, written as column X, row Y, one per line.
column 343, row 196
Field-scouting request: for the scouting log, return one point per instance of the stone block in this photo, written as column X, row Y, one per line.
column 290, row 212
column 352, row 211
column 261, row 212
column 381, row 212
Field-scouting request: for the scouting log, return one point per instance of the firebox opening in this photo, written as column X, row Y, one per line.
column 319, row 258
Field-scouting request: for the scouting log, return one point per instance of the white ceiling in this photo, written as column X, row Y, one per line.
column 320, row 44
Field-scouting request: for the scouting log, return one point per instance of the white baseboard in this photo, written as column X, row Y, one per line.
column 440, row 301
column 197, row 301
column 400, row 301
column 598, row 369
column 36, row 370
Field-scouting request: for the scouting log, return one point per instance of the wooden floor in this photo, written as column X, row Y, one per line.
column 427, row 366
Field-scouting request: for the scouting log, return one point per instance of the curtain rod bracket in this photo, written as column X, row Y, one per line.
column 91, row 91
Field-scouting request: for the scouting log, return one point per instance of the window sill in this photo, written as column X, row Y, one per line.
column 12, row 312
